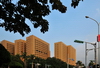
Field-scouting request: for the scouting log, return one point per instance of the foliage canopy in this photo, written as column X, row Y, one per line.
column 5, row 57
column 13, row 15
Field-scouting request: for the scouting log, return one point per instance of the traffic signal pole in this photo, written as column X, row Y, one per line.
column 86, row 50
column 97, row 37
column 86, row 55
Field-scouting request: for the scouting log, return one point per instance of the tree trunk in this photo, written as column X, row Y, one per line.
column 25, row 65
column 32, row 64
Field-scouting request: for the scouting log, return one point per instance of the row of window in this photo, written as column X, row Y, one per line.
column 42, row 48
column 39, row 41
column 43, row 56
column 41, row 51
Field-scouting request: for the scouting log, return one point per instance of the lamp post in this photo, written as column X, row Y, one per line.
column 86, row 50
column 95, row 21
column 98, row 38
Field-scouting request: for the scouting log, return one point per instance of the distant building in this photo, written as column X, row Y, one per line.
column 60, row 51
column 9, row 46
column 71, row 52
column 20, row 46
column 37, row 47
column 65, row 53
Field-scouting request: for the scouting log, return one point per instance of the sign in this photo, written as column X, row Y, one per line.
column 98, row 38
column 78, row 41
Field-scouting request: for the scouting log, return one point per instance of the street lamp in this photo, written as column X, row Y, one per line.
column 98, row 38
column 86, row 50
column 95, row 21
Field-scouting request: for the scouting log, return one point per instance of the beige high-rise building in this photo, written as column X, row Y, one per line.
column 71, row 52
column 20, row 46
column 65, row 53
column 37, row 47
column 60, row 51
column 9, row 46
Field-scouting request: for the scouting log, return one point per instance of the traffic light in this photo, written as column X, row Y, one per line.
column 78, row 41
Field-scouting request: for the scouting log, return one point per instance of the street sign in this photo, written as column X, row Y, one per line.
column 78, row 41
column 98, row 38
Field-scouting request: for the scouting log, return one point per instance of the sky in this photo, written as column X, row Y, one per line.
column 67, row 27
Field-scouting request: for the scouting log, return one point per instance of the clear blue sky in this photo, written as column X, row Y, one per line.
column 67, row 27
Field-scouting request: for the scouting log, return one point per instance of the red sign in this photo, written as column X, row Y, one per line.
column 98, row 38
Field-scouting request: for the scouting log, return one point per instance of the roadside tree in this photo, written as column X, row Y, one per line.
column 5, row 57
column 13, row 15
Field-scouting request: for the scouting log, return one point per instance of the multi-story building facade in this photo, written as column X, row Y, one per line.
column 37, row 47
column 20, row 46
column 71, row 52
column 9, row 46
column 65, row 53
column 60, row 51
